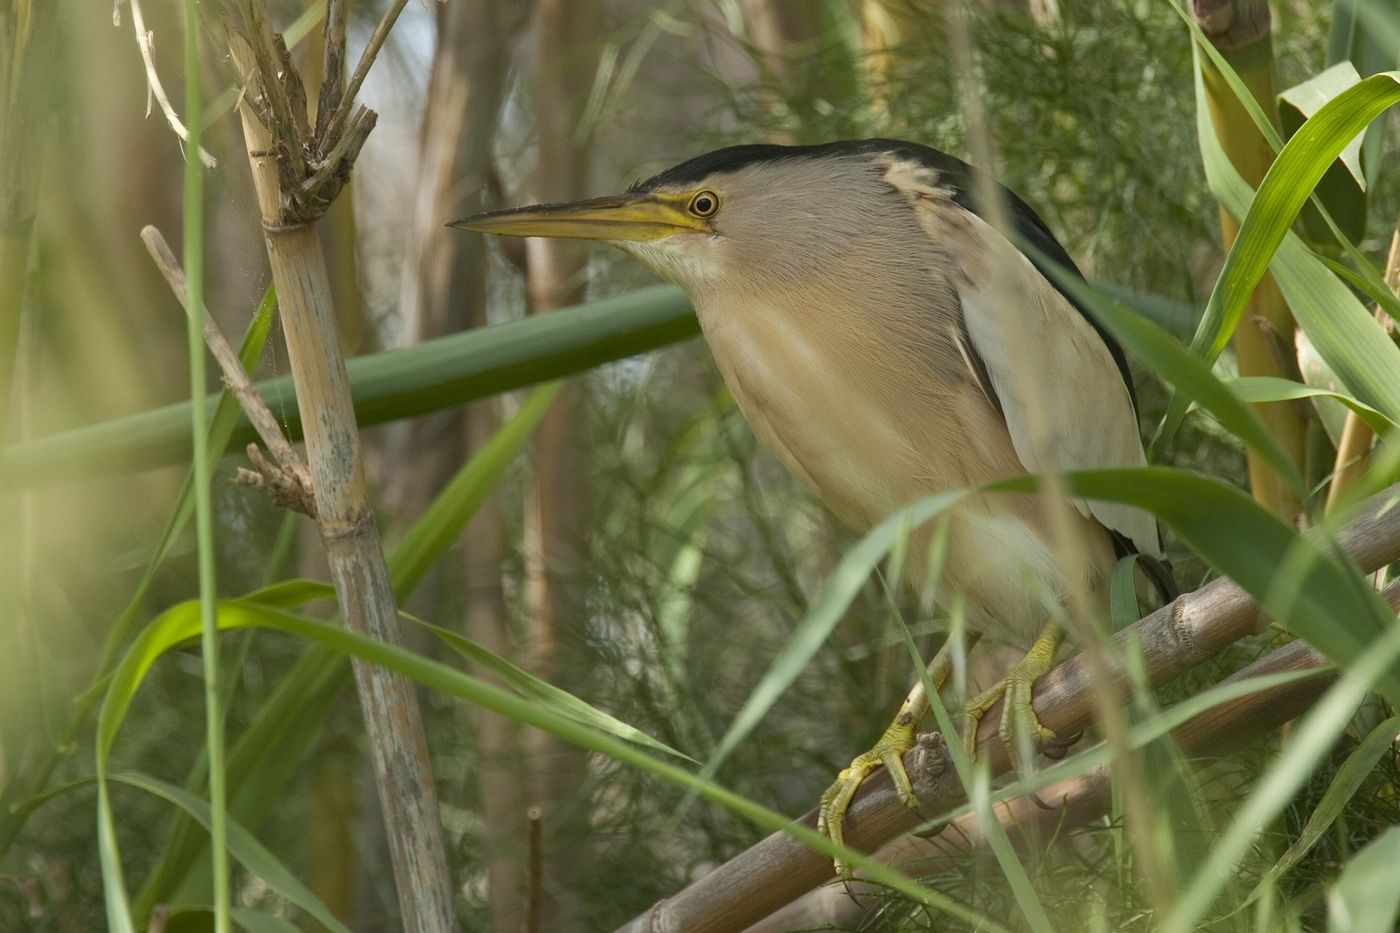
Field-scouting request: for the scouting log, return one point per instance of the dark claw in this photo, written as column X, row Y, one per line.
column 1057, row 748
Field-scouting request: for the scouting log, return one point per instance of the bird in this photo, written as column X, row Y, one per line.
column 888, row 339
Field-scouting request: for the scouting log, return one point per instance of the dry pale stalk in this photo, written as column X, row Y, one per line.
column 777, row 870
column 289, row 481
column 290, row 190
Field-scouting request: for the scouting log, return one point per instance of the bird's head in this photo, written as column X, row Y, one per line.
column 746, row 214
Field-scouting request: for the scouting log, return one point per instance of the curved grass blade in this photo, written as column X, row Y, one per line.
column 292, row 594
column 530, row 687
column 1202, row 45
column 1323, row 598
column 1371, row 286
column 1344, row 332
column 243, row 845
column 276, row 741
column 175, row 628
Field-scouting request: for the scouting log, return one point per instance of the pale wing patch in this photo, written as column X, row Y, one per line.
column 912, row 178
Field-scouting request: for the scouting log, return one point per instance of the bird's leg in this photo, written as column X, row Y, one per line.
column 887, row 752
column 1018, row 719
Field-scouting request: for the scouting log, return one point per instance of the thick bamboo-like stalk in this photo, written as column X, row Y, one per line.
column 394, row 384
column 1354, row 446
column 1263, row 340
column 393, row 723
column 1072, row 803
column 772, row 873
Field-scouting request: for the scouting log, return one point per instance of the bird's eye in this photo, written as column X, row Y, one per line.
column 704, row 204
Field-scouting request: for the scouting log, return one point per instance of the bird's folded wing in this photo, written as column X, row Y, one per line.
column 1064, row 399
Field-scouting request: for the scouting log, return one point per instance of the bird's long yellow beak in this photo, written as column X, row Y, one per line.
column 637, row 218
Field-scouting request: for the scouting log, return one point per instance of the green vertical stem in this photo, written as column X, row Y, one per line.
column 193, row 257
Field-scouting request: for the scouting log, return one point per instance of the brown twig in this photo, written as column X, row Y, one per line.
column 281, row 485
column 1169, row 641
column 289, row 481
column 332, row 64
column 376, row 42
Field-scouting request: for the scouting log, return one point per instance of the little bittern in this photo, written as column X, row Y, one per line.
column 887, row 342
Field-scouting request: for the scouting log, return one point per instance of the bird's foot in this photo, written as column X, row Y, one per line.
column 1021, row 730
column 888, row 753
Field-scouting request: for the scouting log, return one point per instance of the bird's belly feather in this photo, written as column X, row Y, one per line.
column 826, row 411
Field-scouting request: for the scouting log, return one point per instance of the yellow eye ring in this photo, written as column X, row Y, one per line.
column 704, row 204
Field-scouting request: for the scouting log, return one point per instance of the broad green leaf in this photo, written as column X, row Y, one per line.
column 1369, row 285
column 398, row 383
column 1379, row 20
column 1366, row 898
column 1296, row 269
column 1255, row 389
column 1342, row 187
column 243, row 845
column 1367, row 34
column 1284, row 190
column 1344, row 332
column 174, row 628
